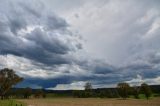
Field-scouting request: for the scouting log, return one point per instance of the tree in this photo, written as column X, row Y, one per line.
column 146, row 90
column 109, row 93
column 78, row 93
column 123, row 89
column 39, row 93
column 88, row 86
column 102, row 94
column 88, row 90
column 135, row 92
column 8, row 79
column 27, row 92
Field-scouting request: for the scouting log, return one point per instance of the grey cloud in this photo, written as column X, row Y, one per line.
column 17, row 24
column 48, row 41
column 56, row 23
column 97, row 66
column 31, row 31
column 146, row 65
column 32, row 9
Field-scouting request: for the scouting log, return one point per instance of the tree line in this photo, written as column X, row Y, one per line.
column 123, row 90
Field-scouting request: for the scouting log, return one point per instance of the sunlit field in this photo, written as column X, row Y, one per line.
column 91, row 102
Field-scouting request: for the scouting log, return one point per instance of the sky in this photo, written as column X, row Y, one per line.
column 62, row 44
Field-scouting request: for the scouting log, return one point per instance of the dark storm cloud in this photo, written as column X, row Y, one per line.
column 37, row 35
column 97, row 66
column 50, row 44
column 16, row 24
column 46, row 83
column 98, row 73
column 40, row 46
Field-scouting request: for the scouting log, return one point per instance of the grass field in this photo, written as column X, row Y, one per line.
column 11, row 103
column 91, row 102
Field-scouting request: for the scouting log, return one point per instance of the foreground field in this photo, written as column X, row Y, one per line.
column 91, row 102
column 11, row 103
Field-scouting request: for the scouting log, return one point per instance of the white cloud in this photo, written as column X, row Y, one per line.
column 75, row 85
column 113, row 30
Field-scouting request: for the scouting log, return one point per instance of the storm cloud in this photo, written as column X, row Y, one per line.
column 62, row 46
column 35, row 34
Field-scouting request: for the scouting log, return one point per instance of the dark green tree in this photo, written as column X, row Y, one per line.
column 75, row 93
column 78, row 94
column 109, row 93
column 135, row 92
column 8, row 79
column 88, row 86
column 88, row 90
column 102, row 94
column 27, row 92
column 146, row 90
column 123, row 89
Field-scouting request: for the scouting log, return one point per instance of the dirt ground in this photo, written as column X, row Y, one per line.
column 90, row 102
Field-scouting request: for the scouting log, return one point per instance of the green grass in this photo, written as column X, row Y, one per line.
column 142, row 96
column 11, row 103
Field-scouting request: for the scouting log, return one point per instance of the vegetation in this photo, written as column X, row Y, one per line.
column 146, row 90
column 88, row 86
column 11, row 103
column 27, row 92
column 39, row 94
column 8, row 79
column 135, row 92
column 123, row 90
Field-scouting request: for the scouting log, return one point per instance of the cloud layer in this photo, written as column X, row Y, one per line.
column 33, row 34
column 104, row 42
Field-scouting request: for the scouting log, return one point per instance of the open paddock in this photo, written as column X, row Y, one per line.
column 91, row 102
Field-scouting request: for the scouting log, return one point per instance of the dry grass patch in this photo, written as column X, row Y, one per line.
column 91, row 102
